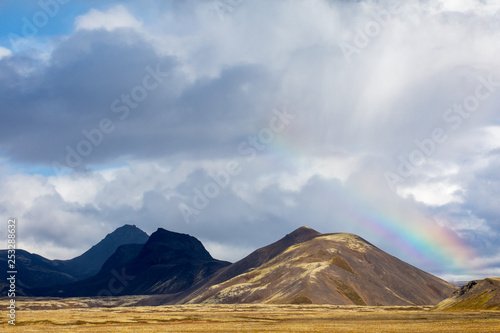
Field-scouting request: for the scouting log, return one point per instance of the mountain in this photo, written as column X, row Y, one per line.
column 258, row 257
column 169, row 263
column 90, row 262
column 35, row 271
column 122, row 255
column 265, row 254
column 305, row 266
column 475, row 295
column 309, row 267
column 32, row 271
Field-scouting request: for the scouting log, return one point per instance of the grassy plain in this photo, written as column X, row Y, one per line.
column 90, row 315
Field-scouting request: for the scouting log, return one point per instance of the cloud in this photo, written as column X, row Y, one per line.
column 468, row 6
column 114, row 18
column 225, row 252
column 4, row 52
column 437, row 194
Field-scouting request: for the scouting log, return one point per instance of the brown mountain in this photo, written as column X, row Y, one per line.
column 309, row 267
column 475, row 295
column 265, row 254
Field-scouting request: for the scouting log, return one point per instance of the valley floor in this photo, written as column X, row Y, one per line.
column 74, row 316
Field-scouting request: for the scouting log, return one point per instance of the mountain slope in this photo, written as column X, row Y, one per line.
column 264, row 254
column 169, row 263
column 258, row 257
column 90, row 262
column 328, row 269
column 123, row 255
column 475, row 295
column 35, row 271
column 32, row 271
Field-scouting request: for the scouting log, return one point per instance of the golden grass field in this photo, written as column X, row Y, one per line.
column 87, row 315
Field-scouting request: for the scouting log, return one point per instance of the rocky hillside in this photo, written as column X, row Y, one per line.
column 309, row 267
column 475, row 295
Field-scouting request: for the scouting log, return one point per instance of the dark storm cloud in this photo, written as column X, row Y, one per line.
column 52, row 106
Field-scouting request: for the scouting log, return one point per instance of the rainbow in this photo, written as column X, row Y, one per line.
column 404, row 233
column 416, row 238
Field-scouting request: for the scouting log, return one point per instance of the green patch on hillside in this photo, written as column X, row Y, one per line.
column 477, row 302
column 349, row 292
column 341, row 263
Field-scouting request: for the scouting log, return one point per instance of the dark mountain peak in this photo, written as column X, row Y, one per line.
column 304, row 227
column 174, row 240
column 90, row 262
column 173, row 245
column 127, row 234
column 127, row 231
column 127, row 227
column 302, row 234
column 166, row 235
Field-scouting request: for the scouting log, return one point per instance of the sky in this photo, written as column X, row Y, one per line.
column 238, row 121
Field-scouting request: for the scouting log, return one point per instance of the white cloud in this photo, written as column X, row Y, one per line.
column 432, row 194
column 491, row 137
column 482, row 6
column 114, row 18
column 77, row 189
column 463, row 222
column 333, row 167
column 18, row 192
column 480, row 269
column 226, row 252
column 5, row 52
column 50, row 225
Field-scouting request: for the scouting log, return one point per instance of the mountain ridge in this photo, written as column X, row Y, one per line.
column 169, row 263
column 304, row 266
